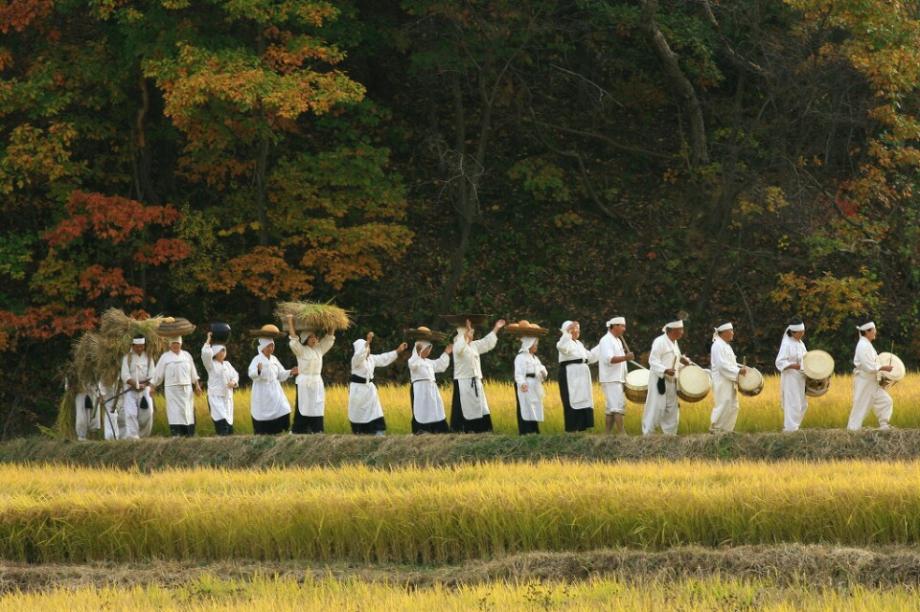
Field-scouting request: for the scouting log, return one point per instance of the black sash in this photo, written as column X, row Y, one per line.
column 358, row 379
column 563, row 364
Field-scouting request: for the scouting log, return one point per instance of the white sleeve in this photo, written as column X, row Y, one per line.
column 604, row 350
column 864, row 360
column 384, row 359
column 283, row 374
column 592, row 355
column 326, row 343
column 728, row 363
column 357, row 360
column 125, row 370
column 194, row 370
column 566, row 346
column 234, row 376
column 296, row 347
column 159, row 373
column 254, row 369
column 207, row 356
column 655, row 364
column 520, row 369
column 151, row 368
column 785, row 357
column 486, row 343
column 441, row 363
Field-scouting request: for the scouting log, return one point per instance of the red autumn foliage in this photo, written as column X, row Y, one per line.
column 19, row 14
column 112, row 218
column 162, row 251
column 98, row 281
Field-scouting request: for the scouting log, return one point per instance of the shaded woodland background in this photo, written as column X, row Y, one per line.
column 539, row 159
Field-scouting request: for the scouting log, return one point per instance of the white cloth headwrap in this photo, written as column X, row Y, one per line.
column 263, row 342
column 526, row 343
column 361, row 346
column 175, row 339
column 718, row 330
column 866, row 326
column 140, row 340
column 305, row 335
column 798, row 327
column 565, row 326
column 673, row 325
column 421, row 345
column 216, row 348
column 616, row 321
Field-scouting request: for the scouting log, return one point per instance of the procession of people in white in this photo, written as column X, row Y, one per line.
column 128, row 412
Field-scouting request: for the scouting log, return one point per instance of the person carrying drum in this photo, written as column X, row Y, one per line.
column 611, row 372
column 724, row 370
column 792, row 378
column 661, row 407
column 866, row 391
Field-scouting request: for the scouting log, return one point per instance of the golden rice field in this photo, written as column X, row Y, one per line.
column 758, row 414
column 716, row 593
column 438, row 515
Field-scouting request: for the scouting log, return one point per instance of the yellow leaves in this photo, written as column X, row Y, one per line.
column 36, row 155
column 264, row 273
column 827, row 300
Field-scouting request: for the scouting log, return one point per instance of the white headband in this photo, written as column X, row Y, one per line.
column 866, row 326
column 175, row 339
column 718, row 330
column 565, row 326
column 421, row 345
column 217, row 348
column 616, row 321
column 264, row 342
column 673, row 325
column 526, row 343
column 140, row 340
column 796, row 328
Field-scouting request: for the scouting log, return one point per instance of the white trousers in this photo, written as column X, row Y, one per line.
column 795, row 403
column 725, row 411
column 868, row 394
column 661, row 410
column 614, row 398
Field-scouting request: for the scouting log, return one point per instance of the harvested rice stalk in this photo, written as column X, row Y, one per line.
column 313, row 316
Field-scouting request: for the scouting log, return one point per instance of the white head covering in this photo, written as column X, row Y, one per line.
column 565, row 326
column 175, row 339
column 798, row 327
column 140, row 340
column 678, row 324
column 526, row 343
column 616, row 321
column 361, row 346
column 263, row 342
column 721, row 328
column 866, row 326
column 421, row 345
column 305, row 335
column 216, row 348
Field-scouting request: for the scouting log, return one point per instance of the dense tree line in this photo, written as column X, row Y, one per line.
column 533, row 159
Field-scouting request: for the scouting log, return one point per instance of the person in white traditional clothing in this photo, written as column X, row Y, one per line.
column 269, row 406
column 177, row 374
column 222, row 380
column 137, row 371
column 112, row 409
column 724, row 370
column 364, row 410
column 575, row 386
column 529, row 374
column 612, row 355
column 428, row 414
column 469, row 408
column 791, row 377
column 866, row 391
column 309, row 349
column 87, row 406
column 661, row 406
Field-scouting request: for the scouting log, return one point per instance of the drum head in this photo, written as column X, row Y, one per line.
column 694, row 381
column 637, row 380
column 893, row 360
column 818, row 365
column 752, row 380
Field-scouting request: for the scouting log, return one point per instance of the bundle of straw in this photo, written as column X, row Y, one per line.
column 313, row 316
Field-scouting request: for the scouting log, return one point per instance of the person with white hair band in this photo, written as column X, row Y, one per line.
column 662, row 409
column 269, row 406
column 575, row 387
column 310, row 403
column 428, row 414
column 137, row 371
column 791, row 377
column 469, row 407
column 222, row 380
column 529, row 374
column 364, row 410
column 724, row 371
column 612, row 356
column 177, row 373
column 866, row 391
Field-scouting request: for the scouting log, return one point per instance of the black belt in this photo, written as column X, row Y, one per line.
column 530, row 375
column 563, row 364
column 358, row 379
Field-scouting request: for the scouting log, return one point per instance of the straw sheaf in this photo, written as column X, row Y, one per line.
column 312, row 316
column 424, row 333
column 523, row 329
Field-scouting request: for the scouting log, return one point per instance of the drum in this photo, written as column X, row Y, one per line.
column 886, row 380
column 818, row 367
column 693, row 383
column 750, row 383
column 636, row 387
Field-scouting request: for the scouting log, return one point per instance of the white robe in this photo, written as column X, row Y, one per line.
column 866, row 391
column 112, row 412
column 87, row 420
column 139, row 368
column 578, row 375
column 311, row 392
column 612, row 376
column 363, row 400
column 176, row 373
column 792, row 383
column 468, row 374
column 427, row 405
column 662, row 410
column 268, row 399
column 724, row 371
column 220, row 375
column 529, row 370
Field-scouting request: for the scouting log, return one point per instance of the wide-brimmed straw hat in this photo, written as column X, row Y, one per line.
column 459, row 320
column 525, row 328
column 424, row 333
column 269, row 330
column 176, row 327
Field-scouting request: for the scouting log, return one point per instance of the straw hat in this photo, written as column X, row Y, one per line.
column 424, row 333
column 459, row 320
column 525, row 328
column 269, row 330
column 176, row 327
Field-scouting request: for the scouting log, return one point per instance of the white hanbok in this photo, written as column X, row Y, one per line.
column 363, row 401
column 311, row 392
column 427, row 405
column 866, row 391
column 137, row 402
column 268, row 399
column 112, row 411
column 221, row 374
column 662, row 410
column 724, row 371
column 177, row 374
column 792, row 382
column 530, row 371
column 468, row 379
column 612, row 376
column 88, row 411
